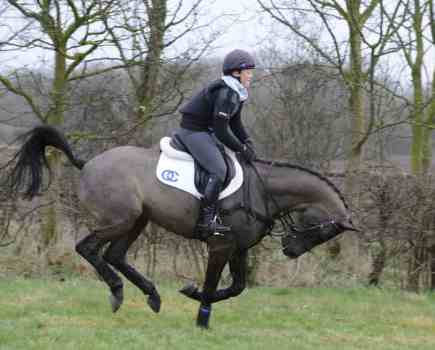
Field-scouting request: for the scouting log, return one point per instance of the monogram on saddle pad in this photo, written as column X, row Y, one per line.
column 177, row 168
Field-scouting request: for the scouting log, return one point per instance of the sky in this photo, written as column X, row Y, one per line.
column 241, row 31
column 246, row 32
column 245, row 28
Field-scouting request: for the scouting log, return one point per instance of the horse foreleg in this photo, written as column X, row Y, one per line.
column 89, row 248
column 115, row 255
column 219, row 255
column 238, row 265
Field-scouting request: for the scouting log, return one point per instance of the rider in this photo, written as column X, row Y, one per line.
column 214, row 115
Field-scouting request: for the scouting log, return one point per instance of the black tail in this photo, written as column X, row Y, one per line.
column 28, row 172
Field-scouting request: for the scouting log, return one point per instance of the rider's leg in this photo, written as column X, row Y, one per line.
column 203, row 148
column 208, row 223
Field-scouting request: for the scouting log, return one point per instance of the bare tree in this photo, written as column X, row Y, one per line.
column 299, row 109
column 362, row 31
column 67, row 29
column 70, row 30
column 430, row 119
column 410, row 35
column 148, row 35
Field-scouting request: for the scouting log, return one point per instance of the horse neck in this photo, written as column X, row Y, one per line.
column 295, row 188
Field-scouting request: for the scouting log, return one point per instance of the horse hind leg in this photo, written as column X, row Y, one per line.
column 89, row 249
column 115, row 255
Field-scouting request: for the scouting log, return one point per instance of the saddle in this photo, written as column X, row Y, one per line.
column 177, row 168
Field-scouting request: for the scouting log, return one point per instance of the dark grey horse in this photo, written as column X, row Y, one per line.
column 120, row 189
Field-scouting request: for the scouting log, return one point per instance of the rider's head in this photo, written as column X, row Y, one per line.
column 239, row 64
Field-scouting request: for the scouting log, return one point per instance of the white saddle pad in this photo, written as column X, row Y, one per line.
column 177, row 169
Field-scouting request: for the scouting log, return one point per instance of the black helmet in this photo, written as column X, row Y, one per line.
column 237, row 60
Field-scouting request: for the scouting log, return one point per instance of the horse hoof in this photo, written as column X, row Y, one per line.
column 116, row 300
column 188, row 290
column 154, row 302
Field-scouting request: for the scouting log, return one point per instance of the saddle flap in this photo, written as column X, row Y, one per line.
column 178, row 169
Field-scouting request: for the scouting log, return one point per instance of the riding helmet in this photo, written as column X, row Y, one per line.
column 237, row 60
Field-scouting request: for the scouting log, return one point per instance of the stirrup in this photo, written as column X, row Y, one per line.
column 212, row 228
column 217, row 227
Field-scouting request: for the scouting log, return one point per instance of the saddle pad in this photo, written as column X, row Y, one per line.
column 177, row 169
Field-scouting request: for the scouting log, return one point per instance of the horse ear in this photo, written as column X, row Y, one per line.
column 347, row 225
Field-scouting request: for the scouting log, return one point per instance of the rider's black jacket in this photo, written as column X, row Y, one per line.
column 217, row 108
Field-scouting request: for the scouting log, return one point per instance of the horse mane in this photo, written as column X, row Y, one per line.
column 306, row 170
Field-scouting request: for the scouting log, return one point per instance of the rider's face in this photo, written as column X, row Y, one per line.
column 245, row 77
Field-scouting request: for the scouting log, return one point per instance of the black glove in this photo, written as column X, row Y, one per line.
column 249, row 143
column 248, row 153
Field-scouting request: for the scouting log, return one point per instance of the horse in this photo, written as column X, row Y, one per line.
column 119, row 188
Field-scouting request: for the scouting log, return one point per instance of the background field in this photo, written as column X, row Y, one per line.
column 75, row 314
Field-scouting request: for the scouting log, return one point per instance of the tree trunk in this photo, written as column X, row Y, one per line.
column 378, row 264
column 356, row 108
column 415, row 266
column 50, row 213
column 416, row 65
column 349, row 242
column 418, row 129
column 430, row 121
column 152, row 64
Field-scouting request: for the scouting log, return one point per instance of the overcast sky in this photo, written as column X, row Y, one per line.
column 247, row 32
column 242, row 33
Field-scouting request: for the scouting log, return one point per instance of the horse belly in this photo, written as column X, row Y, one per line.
column 173, row 209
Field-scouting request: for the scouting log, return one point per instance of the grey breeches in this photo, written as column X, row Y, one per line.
column 202, row 145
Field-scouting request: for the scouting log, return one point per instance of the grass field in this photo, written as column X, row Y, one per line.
column 75, row 314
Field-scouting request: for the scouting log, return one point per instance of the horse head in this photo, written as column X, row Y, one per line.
column 314, row 227
column 321, row 210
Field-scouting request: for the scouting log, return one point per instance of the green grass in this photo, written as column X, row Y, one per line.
column 75, row 314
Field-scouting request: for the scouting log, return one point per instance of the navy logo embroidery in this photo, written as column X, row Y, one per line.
column 170, row 175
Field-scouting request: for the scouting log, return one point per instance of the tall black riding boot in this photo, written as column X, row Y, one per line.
column 208, row 221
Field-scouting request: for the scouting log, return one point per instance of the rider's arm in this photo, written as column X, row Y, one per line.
column 237, row 127
column 225, row 103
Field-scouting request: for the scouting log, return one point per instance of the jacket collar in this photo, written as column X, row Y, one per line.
column 235, row 85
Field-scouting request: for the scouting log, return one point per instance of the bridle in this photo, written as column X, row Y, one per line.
column 290, row 228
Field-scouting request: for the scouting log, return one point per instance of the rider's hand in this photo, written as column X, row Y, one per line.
column 250, row 144
column 248, row 153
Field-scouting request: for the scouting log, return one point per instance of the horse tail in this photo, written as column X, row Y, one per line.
column 31, row 159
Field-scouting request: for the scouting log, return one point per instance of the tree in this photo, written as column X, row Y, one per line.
column 147, row 36
column 427, row 148
column 362, row 32
column 292, row 109
column 412, row 43
column 70, row 31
